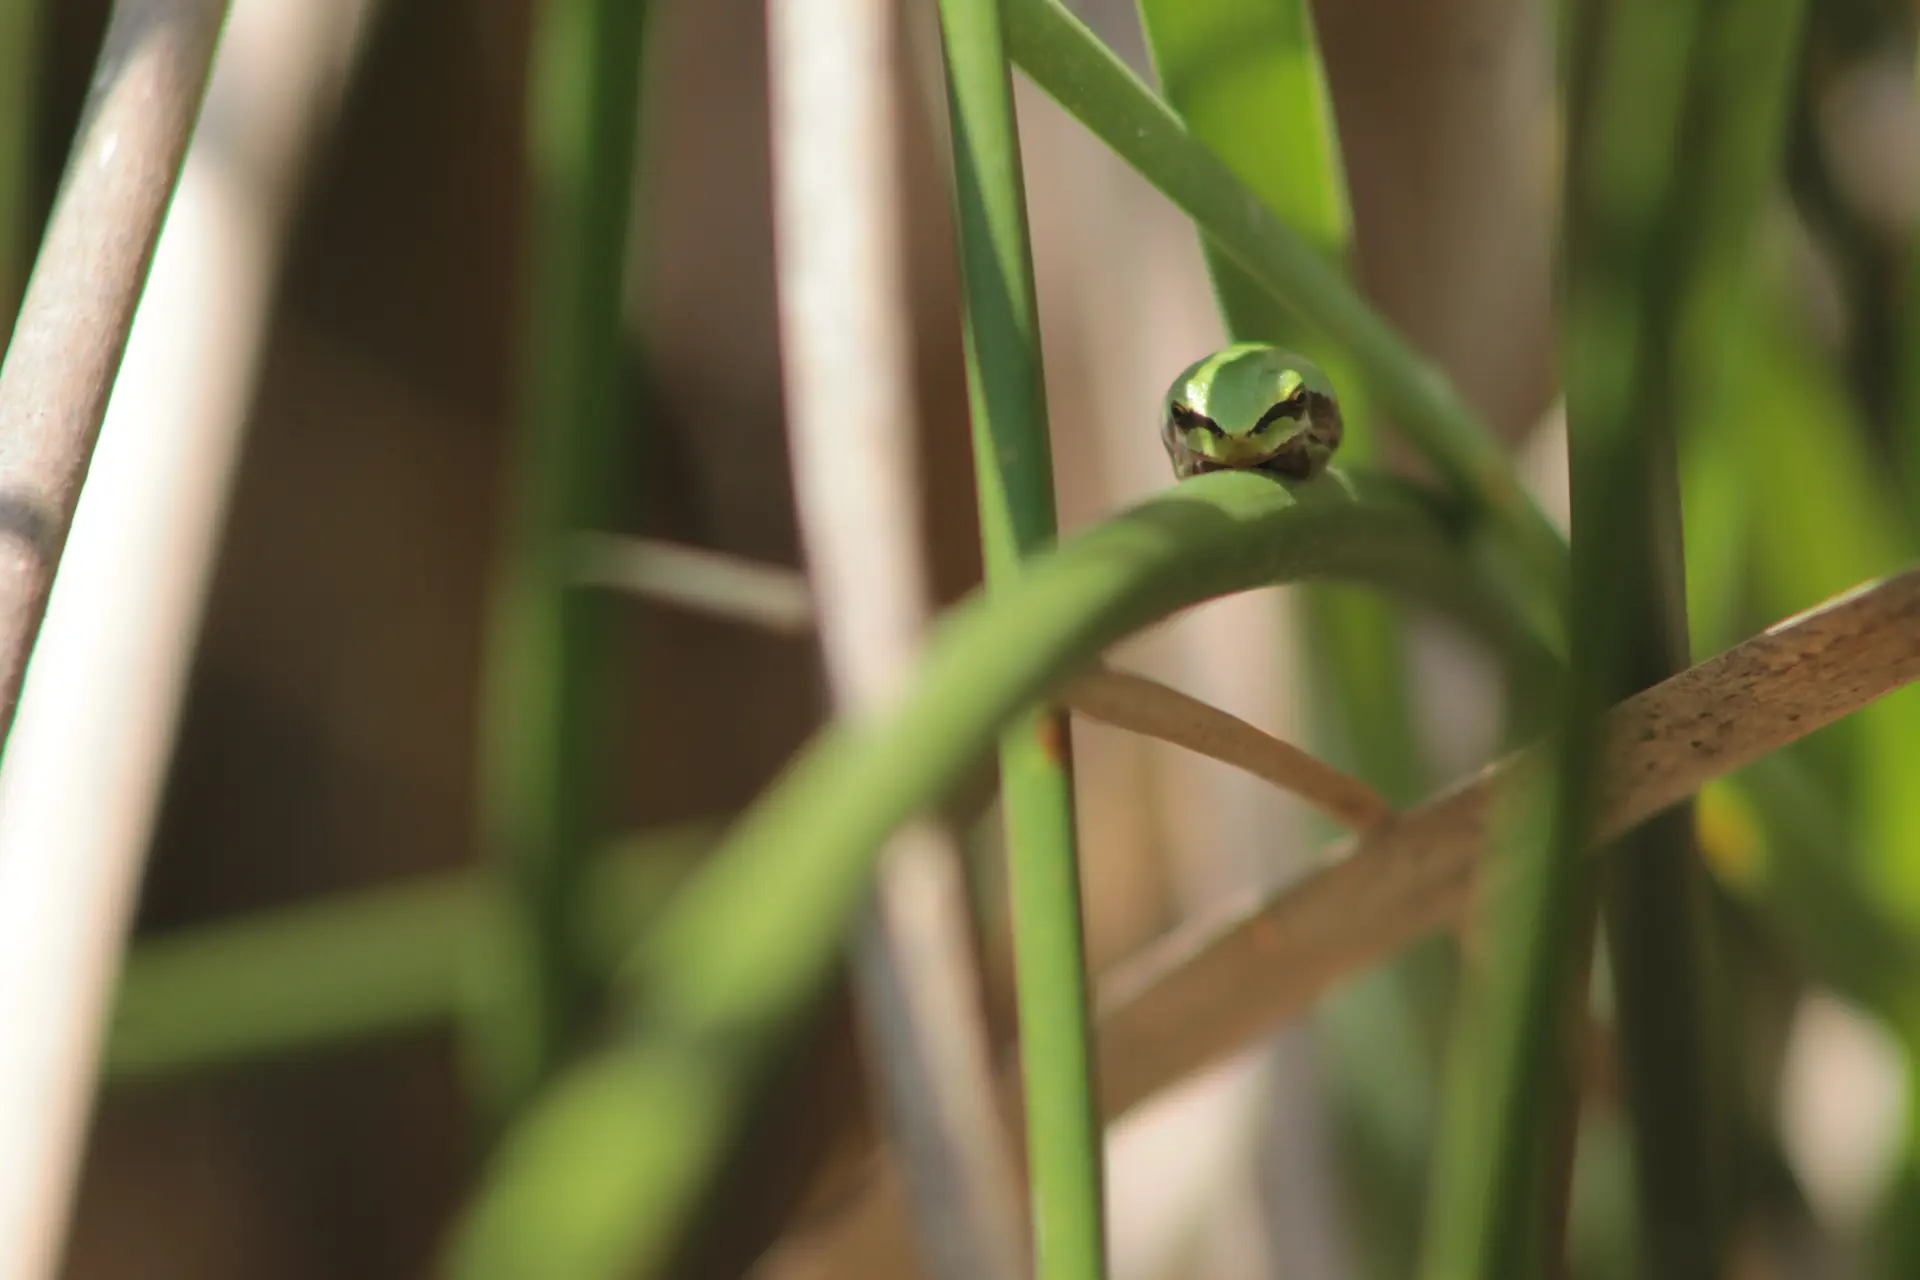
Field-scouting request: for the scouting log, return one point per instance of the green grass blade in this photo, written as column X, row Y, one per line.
column 1014, row 470
column 1489, row 1199
column 1670, row 999
column 330, row 974
column 546, row 682
column 597, row 1179
column 1246, row 80
column 1085, row 77
column 1648, row 229
column 295, row 980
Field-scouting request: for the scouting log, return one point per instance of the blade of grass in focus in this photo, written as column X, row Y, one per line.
column 546, row 683
column 1013, row 466
column 1071, row 64
column 597, row 1180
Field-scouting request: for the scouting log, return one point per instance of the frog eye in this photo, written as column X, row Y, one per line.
column 1187, row 420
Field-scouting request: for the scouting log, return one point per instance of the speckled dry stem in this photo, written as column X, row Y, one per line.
column 86, row 283
column 1215, row 985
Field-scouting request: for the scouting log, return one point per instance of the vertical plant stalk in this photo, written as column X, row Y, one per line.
column 1641, row 103
column 79, row 304
column 1014, row 469
column 546, row 674
column 87, row 762
column 1625, row 251
column 19, row 92
column 843, row 309
column 1686, row 261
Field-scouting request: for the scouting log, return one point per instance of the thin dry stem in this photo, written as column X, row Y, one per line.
column 86, row 762
column 1135, row 703
column 1216, row 984
column 850, row 409
column 770, row 597
column 80, row 300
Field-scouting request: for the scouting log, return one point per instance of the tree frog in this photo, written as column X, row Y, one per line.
column 1251, row 406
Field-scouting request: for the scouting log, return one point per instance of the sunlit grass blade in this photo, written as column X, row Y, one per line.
column 1013, row 466
column 1246, row 80
column 1085, row 77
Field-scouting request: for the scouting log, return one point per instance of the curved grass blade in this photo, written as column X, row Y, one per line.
column 597, row 1180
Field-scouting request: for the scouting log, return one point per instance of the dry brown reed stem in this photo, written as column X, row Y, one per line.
column 1144, row 706
column 86, row 283
column 87, row 758
column 849, row 396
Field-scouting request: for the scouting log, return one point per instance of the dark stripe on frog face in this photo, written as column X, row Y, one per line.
column 1186, row 419
column 1293, row 408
